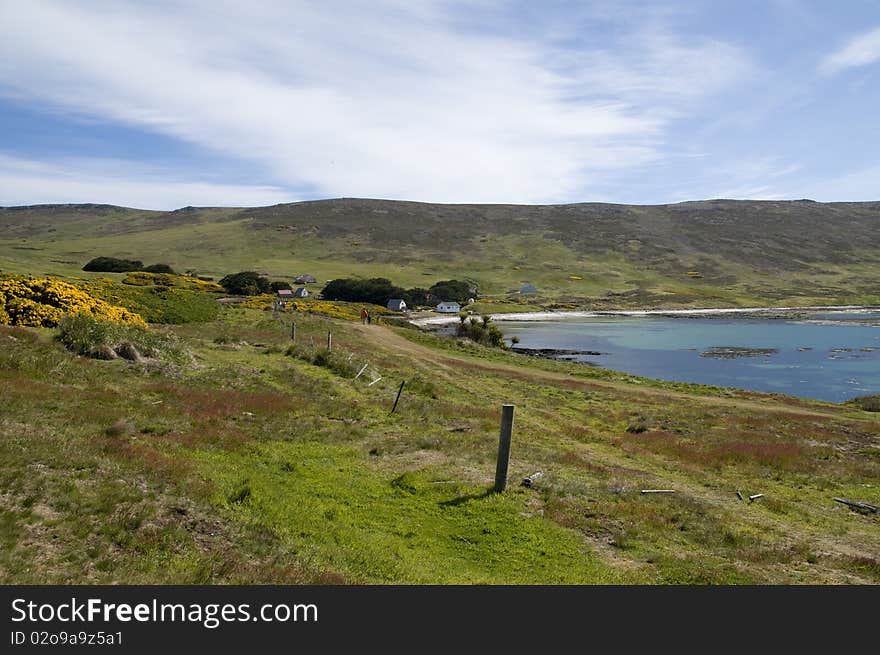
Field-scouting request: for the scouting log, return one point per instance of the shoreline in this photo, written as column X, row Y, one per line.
column 551, row 316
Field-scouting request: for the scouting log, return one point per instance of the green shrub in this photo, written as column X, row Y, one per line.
column 101, row 339
column 160, row 268
column 867, row 403
column 323, row 358
column 482, row 331
column 377, row 290
column 113, row 265
column 246, row 283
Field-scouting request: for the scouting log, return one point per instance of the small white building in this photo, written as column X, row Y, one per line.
column 396, row 305
column 449, row 308
column 301, row 292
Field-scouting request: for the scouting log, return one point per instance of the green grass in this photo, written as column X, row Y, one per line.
column 337, row 512
column 252, row 466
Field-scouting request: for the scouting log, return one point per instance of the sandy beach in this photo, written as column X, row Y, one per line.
column 554, row 316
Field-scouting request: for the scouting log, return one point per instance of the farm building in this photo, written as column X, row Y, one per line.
column 528, row 288
column 301, row 292
column 284, row 294
column 449, row 308
column 305, row 278
column 396, row 305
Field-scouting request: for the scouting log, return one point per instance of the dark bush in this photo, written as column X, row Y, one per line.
column 113, row 265
column 277, row 285
column 377, row 290
column 160, row 268
column 419, row 297
column 246, row 283
column 453, row 291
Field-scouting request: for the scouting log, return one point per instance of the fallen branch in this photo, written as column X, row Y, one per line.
column 740, row 496
column 658, row 491
column 530, row 480
column 755, row 497
column 361, row 371
column 374, row 382
column 859, row 506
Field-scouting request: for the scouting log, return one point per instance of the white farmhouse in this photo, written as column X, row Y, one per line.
column 449, row 308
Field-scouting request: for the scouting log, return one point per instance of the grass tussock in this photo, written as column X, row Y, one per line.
column 101, row 339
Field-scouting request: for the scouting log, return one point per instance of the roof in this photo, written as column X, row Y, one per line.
column 285, row 292
column 448, row 307
column 395, row 303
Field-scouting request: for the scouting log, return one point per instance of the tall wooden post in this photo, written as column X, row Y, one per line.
column 329, row 341
column 504, row 448
column 293, row 331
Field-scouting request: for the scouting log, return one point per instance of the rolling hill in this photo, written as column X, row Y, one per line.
column 703, row 253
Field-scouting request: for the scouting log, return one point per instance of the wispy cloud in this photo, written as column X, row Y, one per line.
column 120, row 183
column 381, row 99
column 861, row 50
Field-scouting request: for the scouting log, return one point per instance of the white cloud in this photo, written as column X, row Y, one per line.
column 26, row 182
column 380, row 99
column 861, row 50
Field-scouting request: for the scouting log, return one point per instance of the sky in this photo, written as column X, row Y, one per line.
column 159, row 104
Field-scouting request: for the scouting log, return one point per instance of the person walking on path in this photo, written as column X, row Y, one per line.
column 364, row 315
column 369, row 318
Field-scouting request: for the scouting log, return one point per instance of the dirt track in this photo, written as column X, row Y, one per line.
column 445, row 362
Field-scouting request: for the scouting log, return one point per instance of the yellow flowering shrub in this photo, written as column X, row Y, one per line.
column 144, row 278
column 349, row 311
column 41, row 302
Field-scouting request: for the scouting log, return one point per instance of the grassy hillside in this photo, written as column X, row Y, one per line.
column 259, row 462
column 710, row 253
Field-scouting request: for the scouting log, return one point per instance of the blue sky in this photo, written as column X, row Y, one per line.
column 163, row 104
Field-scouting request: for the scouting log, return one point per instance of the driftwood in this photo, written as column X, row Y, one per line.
column 858, row 506
column 755, row 497
column 361, row 371
column 374, row 382
column 740, row 496
column 530, row 480
column 658, row 491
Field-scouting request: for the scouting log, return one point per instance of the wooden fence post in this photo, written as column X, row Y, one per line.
column 293, row 332
column 399, row 391
column 329, row 341
column 504, row 448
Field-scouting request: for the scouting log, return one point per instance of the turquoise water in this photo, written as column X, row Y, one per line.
column 831, row 356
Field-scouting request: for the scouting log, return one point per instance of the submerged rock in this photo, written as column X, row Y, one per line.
column 735, row 352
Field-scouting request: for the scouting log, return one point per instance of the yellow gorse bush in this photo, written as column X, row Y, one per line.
column 41, row 302
column 145, row 278
column 349, row 311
